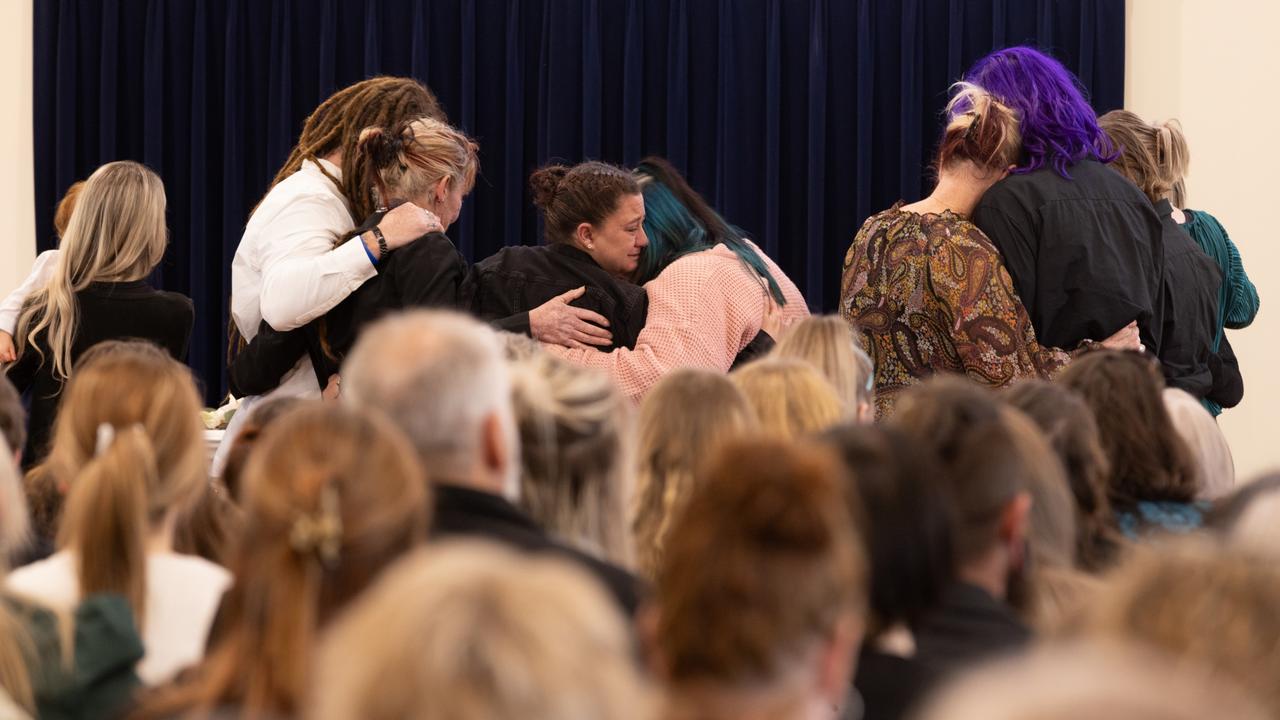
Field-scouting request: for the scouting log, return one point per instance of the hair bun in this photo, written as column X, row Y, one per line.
column 380, row 146
column 545, row 183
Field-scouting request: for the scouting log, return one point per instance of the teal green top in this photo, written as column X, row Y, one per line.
column 1237, row 297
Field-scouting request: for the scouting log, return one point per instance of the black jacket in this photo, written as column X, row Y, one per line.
column 515, row 280
column 891, row 687
column 1086, row 254
column 968, row 627
column 107, row 311
column 462, row 512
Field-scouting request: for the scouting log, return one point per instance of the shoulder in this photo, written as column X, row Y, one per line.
column 512, row 256
column 188, row 571
column 51, row 581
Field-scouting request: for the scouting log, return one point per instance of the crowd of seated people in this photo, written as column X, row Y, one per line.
column 623, row 474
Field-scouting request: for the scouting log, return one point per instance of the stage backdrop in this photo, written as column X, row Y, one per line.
column 796, row 118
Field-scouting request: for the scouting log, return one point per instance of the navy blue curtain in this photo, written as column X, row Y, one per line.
column 797, row 118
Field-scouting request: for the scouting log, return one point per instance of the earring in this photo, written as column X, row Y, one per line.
column 591, row 246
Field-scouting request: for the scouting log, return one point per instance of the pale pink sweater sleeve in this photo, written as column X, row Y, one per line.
column 703, row 310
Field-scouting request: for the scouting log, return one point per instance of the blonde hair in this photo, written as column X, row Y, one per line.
column 1154, row 157
column 406, row 161
column 688, row 415
column 128, row 442
column 790, row 397
column 829, row 343
column 468, row 630
column 15, row 642
column 981, row 130
column 1198, row 601
column 1206, row 442
column 575, row 447
column 116, row 233
column 332, row 497
column 1099, row 681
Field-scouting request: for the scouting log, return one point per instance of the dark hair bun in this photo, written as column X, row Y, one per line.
column 545, row 183
column 380, row 146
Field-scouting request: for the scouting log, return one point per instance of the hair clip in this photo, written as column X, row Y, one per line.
column 320, row 533
column 106, row 436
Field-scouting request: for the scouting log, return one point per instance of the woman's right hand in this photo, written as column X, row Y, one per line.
column 1126, row 339
column 7, row 351
column 559, row 323
column 403, row 224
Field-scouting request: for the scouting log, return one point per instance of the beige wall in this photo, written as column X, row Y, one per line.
column 1211, row 64
column 17, row 236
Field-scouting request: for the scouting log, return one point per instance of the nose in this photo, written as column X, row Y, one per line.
column 642, row 240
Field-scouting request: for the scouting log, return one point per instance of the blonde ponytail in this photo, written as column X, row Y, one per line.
column 1153, row 157
column 105, row 522
column 1174, row 156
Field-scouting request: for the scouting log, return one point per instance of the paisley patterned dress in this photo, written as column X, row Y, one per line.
column 929, row 293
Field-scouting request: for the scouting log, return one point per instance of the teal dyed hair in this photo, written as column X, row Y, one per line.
column 678, row 222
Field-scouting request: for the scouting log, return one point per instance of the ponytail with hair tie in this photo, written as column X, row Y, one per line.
column 320, row 532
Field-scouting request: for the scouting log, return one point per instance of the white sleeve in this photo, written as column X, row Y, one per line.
column 12, row 303
column 303, row 274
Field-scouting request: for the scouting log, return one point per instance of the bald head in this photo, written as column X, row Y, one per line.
column 442, row 378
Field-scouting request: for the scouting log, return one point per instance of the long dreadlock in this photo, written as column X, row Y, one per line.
column 336, row 124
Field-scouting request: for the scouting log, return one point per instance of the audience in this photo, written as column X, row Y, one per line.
column 576, row 470
column 441, row 378
column 97, row 290
column 13, row 419
column 687, row 417
column 760, row 597
column 908, row 526
column 830, row 345
column 1154, row 478
column 790, row 397
column 332, row 496
column 987, row 469
column 489, row 634
column 128, row 446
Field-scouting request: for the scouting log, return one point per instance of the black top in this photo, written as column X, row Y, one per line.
column 1191, row 282
column 462, row 511
column 1085, row 254
column 107, row 311
column 968, row 627
column 890, row 686
column 428, row 272
column 515, row 280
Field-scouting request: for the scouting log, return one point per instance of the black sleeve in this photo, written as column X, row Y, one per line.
column 493, row 304
column 177, row 337
column 1228, row 383
column 429, row 272
column 259, row 367
column 759, row 346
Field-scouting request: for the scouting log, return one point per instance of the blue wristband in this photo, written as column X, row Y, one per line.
column 367, row 251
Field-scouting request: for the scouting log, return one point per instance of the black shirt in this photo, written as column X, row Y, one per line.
column 515, row 280
column 1191, row 282
column 1086, row 254
column 107, row 311
column 890, row 686
column 968, row 627
column 462, row 511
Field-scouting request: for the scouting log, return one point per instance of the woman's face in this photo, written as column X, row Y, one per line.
column 617, row 241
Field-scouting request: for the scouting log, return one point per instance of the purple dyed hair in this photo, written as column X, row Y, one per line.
column 1059, row 127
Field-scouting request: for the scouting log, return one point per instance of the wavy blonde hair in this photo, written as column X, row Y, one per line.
column 116, row 233
column 829, row 343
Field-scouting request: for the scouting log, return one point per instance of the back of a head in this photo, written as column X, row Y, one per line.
column 15, row 523
column 980, row 130
column 575, row 446
column 128, row 442
column 406, row 161
column 1206, row 442
column 1198, row 601
column 66, row 206
column 829, row 343
column 13, row 417
column 790, row 397
column 487, row 635
column 15, row 644
column 1058, row 126
column 907, row 520
column 687, row 416
column 990, row 454
column 1153, row 157
column 261, row 415
column 585, row 193
column 1228, row 512
column 1149, row 461
column 1097, row 681
column 335, row 125
column 761, row 567
column 116, row 233
column 332, row 497
column 439, row 376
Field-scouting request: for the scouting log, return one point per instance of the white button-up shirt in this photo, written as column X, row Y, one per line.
column 11, row 306
column 286, row 269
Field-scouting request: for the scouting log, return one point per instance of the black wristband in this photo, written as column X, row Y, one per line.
column 383, row 250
